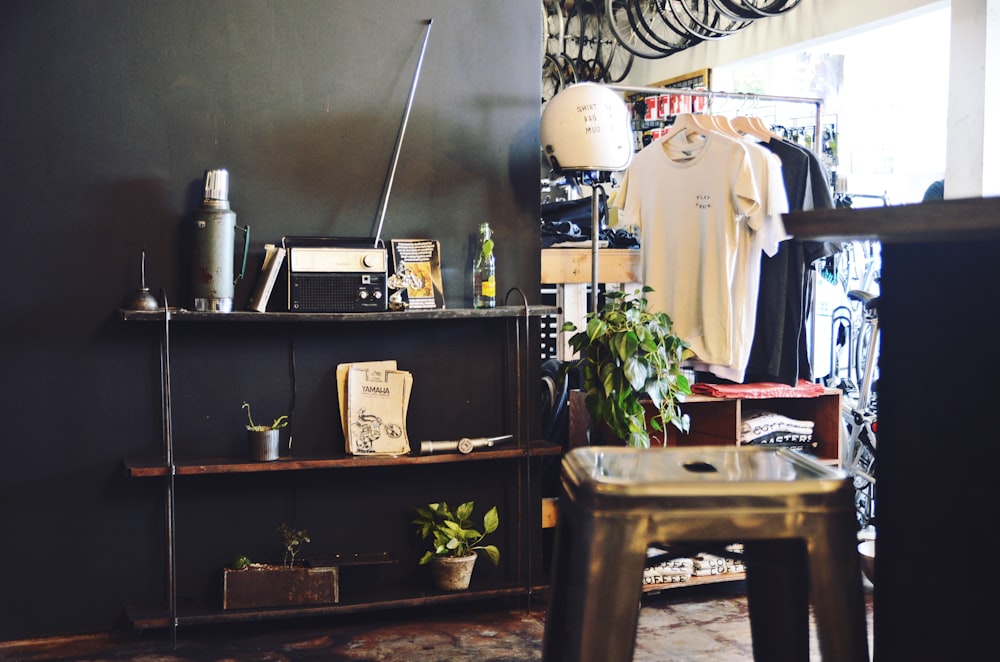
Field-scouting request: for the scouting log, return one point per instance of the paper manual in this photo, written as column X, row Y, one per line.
column 374, row 397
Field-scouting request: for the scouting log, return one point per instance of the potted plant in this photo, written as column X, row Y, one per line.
column 247, row 584
column 628, row 356
column 456, row 542
column 263, row 440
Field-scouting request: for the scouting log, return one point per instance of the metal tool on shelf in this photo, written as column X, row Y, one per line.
column 465, row 445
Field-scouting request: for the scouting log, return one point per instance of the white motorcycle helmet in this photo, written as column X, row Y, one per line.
column 587, row 127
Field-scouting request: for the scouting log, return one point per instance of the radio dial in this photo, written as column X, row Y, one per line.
column 369, row 261
column 363, row 294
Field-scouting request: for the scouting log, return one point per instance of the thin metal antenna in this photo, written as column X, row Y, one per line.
column 399, row 138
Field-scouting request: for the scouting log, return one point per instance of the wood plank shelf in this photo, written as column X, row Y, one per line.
column 243, row 316
column 377, row 599
column 231, row 465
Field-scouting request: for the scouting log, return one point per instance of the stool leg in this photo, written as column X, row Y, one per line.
column 594, row 607
column 778, row 599
column 837, row 590
column 558, row 617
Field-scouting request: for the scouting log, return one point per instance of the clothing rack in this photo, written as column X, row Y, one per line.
column 712, row 95
column 743, row 96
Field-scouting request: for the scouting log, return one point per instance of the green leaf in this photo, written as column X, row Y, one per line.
column 464, row 511
column 637, row 439
column 493, row 553
column 491, row 520
column 635, row 372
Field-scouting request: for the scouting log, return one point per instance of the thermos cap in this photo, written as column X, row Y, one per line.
column 217, row 184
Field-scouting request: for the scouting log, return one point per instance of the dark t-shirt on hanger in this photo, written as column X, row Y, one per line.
column 779, row 352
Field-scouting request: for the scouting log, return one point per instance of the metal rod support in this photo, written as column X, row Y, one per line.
column 745, row 96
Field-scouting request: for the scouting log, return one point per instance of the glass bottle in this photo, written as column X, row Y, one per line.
column 484, row 275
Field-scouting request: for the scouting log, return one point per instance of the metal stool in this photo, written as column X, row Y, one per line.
column 794, row 516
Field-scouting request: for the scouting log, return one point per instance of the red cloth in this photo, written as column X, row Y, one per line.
column 760, row 390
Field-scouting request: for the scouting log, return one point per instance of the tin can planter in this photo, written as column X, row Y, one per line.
column 451, row 573
column 264, row 444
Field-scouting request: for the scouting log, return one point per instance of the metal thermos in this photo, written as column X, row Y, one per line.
column 213, row 265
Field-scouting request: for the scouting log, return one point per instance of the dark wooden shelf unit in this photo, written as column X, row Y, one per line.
column 516, row 456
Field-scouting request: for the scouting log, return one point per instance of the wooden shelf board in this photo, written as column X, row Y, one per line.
column 144, row 618
column 573, row 265
column 183, row 315
column 231, row 465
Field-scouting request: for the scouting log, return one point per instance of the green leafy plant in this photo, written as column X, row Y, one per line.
column 629, row 354
column 278, row 423
column 453, row 532
column 292, row 539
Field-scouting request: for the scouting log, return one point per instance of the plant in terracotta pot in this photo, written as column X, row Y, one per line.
column 263, row 440
column 629, row 354
column 456, row 541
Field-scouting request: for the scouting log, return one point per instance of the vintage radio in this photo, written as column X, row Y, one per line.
column 336, row 275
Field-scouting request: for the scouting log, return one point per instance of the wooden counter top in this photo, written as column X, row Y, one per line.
column 943, row 220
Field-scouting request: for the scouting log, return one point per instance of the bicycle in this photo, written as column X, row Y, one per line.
column 855, row 330
column 860, row 414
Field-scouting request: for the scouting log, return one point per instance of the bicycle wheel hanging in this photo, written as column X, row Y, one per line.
column 618, row 17
column 701, row 18
column 587, row 42
column 552, row 78
column 616, row 59
column 553, row 27
column 602, row 59
column 598, row 40
column 752, row 9
column 652, row 28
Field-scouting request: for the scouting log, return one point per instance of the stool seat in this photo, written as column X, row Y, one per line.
column 794, row 516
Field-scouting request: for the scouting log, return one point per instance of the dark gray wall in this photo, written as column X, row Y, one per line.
column 109, row 113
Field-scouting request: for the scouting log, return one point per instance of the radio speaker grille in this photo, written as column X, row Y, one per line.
column 336, row 293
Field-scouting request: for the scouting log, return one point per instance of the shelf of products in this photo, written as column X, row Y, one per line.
column 513, row 462
column 184, row 315
column 717, row 421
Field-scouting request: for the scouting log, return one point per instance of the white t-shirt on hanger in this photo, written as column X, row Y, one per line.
column 693, row 198
column 766, row 239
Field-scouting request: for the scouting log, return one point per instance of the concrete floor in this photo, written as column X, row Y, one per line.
column 690, row 624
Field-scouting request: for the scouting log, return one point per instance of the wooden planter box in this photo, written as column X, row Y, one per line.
column 260, row 585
